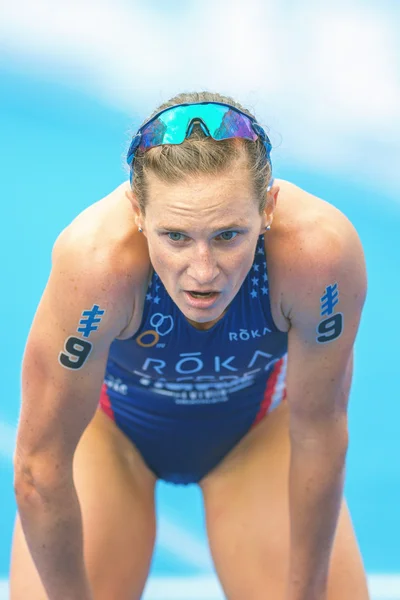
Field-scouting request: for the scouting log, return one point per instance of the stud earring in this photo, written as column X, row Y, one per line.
column 268, row 227
column 140, row 230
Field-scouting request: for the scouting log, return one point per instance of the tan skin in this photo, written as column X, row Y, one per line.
column 249, row 508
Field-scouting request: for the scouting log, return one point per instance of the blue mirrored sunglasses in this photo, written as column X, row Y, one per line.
column 218, row 120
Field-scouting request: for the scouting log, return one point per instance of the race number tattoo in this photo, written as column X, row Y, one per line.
column 76, row 353
column 76, row 349
column 92, row 316
column 330, row 328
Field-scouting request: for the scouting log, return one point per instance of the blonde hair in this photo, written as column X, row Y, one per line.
column 201, row 154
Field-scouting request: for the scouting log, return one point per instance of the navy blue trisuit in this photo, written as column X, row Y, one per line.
column 185, row 397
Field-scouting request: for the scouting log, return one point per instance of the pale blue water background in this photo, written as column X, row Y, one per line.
column 61, row 151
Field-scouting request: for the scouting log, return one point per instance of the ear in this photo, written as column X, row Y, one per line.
column 133, row 199
column 272, row 198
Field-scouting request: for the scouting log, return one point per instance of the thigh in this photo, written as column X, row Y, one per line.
column 116, row 494
column 246, row 501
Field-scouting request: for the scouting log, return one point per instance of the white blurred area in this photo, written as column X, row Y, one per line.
column 324, row 77
column 382, row 587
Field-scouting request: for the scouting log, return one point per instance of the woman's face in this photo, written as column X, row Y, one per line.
column 202, row 235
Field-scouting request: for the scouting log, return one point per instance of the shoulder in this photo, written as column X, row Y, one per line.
column 104, row 236
column 101, row 245
column 318, row 246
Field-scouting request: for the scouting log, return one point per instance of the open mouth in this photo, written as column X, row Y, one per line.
column 201, row 299
column 201, row 294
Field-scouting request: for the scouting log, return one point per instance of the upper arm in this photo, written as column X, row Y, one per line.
column 64, row 360
column 330, row 289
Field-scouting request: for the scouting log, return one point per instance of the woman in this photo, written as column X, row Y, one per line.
column 222, row 323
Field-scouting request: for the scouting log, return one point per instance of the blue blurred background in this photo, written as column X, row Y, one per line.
column 76, row 79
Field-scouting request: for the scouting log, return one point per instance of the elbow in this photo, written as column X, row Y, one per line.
column 37, row 480
column 329, row 438
column 26, row 489
column 340, row 439
column 25, row 492
column 339, row 453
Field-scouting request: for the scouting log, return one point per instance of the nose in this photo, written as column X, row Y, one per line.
column 203, row 268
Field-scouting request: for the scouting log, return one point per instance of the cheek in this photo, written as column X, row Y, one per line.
column 155, row 250
column 164, row 263
column 240, row 264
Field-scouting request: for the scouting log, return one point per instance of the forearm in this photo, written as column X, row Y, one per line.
column 52, row 524
column 315, row 493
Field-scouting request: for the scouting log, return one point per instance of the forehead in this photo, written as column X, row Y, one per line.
column 203, row 199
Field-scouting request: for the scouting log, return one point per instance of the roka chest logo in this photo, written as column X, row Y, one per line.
column 191, row 379
column 244, row 335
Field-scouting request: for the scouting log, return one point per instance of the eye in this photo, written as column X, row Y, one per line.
column 227, row 236
column 175, row 236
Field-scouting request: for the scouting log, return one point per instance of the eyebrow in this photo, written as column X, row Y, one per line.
column 239, row 225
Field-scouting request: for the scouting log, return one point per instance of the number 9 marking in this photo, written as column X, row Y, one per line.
column 76, row 353
column 330, row 329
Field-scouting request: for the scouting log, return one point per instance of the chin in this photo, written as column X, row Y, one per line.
column 204, row 318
